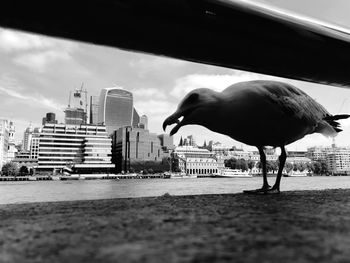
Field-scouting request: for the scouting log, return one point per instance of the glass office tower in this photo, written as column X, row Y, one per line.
column 115, row 108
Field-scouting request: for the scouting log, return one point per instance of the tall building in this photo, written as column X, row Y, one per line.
column 136, row 145
column 86, row 147
column 189, row 141
column 76, row 112
column 144, row 122
column 49, row 118
column 12, row 150
column 4, row 141
column 27, row 137
column 135, row 119
column 94, row 100
column 115, row 108
column 34, row 144
column 74, row 116
column 166, row 141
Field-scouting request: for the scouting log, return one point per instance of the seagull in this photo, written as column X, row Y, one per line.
column 258, row 113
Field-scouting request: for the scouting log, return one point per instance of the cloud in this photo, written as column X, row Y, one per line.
column 37, row 100
column 155, row 107
column 15, row 41
column 11, row 40
column 35, row 52
column 153, row 65
column 216, row 82
column 149, row 92
column 39, row 61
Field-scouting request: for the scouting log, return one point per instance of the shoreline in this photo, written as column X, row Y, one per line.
column 295, row 226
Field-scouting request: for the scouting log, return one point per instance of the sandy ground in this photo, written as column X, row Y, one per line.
column 295, row 226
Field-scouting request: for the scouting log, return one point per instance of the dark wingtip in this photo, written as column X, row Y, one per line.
column 336, row 117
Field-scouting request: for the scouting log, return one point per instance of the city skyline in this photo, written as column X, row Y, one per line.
column 37, row 73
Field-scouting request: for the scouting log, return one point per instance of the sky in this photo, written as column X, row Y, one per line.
column 38, row 72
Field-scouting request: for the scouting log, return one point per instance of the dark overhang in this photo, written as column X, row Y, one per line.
column 226, row 33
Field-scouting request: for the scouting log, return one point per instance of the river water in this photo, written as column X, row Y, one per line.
column 48, row 191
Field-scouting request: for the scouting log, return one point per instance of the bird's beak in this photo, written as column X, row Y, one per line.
column 172, row 119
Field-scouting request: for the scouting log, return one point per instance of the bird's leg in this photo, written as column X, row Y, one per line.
column 266, row 185
column 282, row 160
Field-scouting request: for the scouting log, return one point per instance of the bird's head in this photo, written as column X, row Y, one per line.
column 193, row 109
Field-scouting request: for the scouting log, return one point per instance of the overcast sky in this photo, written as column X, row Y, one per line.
column 37, row 73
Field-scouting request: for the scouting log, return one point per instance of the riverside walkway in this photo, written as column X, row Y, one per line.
column 295, row 226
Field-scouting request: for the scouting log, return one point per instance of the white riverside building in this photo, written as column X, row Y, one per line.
column 338, row 161
column 4, row 141
column 85, row 147
column 195, row 161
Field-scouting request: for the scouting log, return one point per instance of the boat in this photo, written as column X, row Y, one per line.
column 233, row 173
column 298, row 173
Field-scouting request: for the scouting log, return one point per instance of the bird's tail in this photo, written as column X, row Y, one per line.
column 332, row 120
column 330, row 126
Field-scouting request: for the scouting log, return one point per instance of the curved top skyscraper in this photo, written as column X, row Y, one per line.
column 115, row 108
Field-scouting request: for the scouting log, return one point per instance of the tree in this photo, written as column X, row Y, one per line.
column 23, row 170
column 10, row 169
column 273, row 165
column 324, row 167
column 259, row 165
column 309, row 167
column 302, row 167
column 316, row 167
column 177, row 170
column 250, row 164
column 156, row 166
column 242, row 165
column 231, row 163
column 295, row 167
column 288, row 166
column 319, row 167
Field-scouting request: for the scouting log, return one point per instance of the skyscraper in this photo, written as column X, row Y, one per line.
column 27, row 137
column 11, row 144
column 50, row 118
column 132, row 144
column 135, row 119
column 144, row 122
column 94, row 109
column 75, row 113
column 115, row 108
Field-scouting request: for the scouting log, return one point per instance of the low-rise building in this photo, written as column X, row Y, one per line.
column 298, row 157
column 338, row 161
column 192, row 160
column 23, row 158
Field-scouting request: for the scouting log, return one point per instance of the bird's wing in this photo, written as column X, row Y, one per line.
column 296, row 104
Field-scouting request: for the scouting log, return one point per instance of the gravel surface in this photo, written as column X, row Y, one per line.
column 295, row 226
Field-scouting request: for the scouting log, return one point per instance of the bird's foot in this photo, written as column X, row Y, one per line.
column 272, row 191
column 262, row 190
